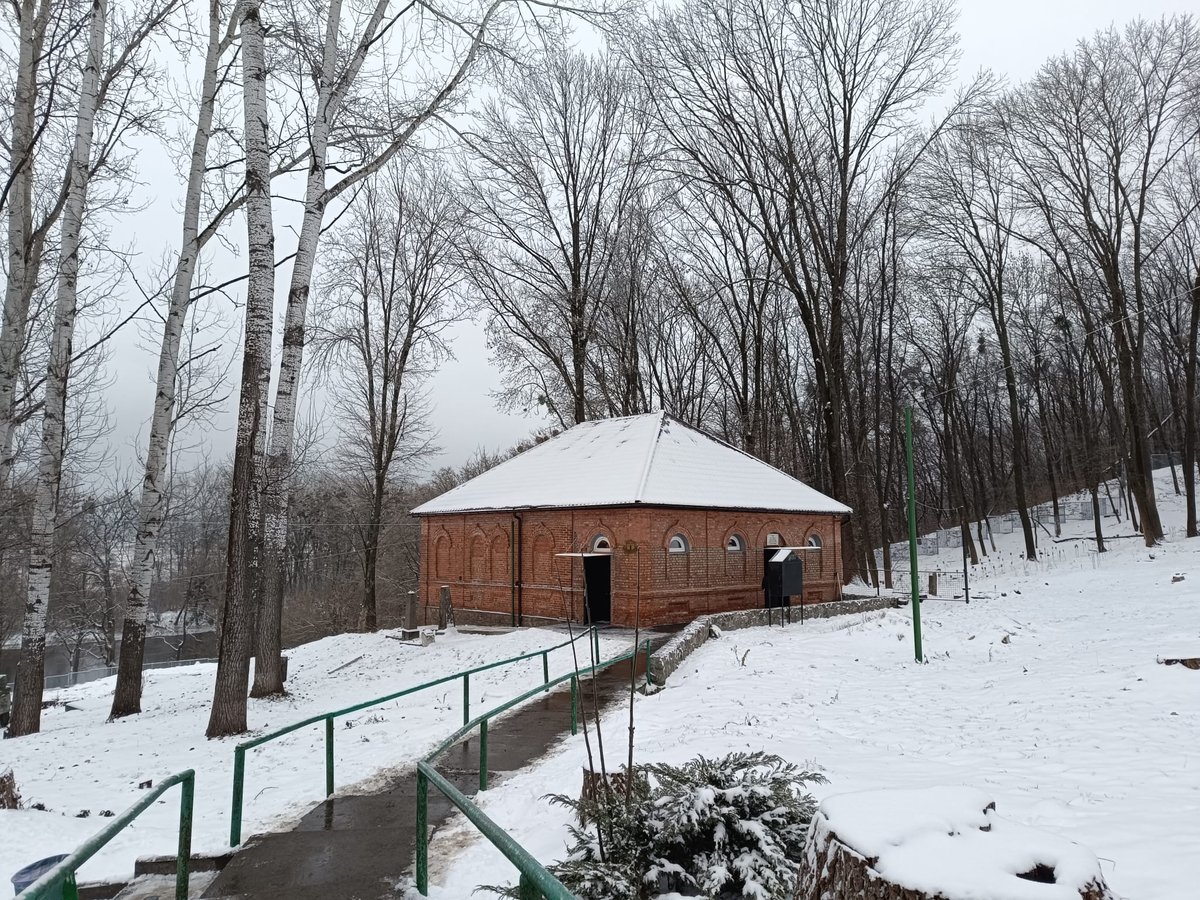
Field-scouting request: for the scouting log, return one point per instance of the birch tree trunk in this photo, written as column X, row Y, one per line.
column 27, row 696
column 18, row 288
column 127, row 697
column 228, row 714
column 268, row 635
column 331, row 93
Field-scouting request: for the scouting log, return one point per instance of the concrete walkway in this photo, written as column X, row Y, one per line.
column 358, row 847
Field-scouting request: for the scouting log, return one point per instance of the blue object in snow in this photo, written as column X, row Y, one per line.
column 32, row 872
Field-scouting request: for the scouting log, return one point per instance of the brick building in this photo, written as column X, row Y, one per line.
column 587, row 522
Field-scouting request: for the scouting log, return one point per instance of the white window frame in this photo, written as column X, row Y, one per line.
column 735, row 544
column 601, row 544
column 814, row 540
column 678, row 544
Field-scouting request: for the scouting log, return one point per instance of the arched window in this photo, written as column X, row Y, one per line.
column 677, row 544
column 814, row 540
column 601, row 544
column 735, row 544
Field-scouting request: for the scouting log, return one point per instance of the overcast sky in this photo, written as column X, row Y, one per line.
column 1011, row 38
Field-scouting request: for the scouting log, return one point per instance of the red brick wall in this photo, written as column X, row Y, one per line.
column 473, row 552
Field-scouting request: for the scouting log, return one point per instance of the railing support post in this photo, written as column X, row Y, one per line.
column 183, row 862
column 483, row 752
column 527, row 890
column 329, row 757
column 546, row 670
column 239, row 782
column 647, row 646
column 574, row 704
column 422, row 833
column 466, row 699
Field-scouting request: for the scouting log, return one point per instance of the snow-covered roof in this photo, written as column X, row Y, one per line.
column 652, row 460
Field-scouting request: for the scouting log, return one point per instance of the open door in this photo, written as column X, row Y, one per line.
column 597, row 585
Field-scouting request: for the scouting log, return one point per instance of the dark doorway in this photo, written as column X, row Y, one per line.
column 597, row 585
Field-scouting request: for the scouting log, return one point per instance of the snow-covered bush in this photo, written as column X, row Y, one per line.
column 720, row 828
column 731, row 827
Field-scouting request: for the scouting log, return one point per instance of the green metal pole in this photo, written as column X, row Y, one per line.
column 574, row 704
column 239, row 782
column 546, row 670
column 912, row 536
column 483, row 751
column 183, row 863
column 329, row 757
column 466, row 698
column 422, row 833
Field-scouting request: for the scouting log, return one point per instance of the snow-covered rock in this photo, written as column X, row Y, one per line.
column 939, row 842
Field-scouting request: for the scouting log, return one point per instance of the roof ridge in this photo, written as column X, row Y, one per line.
column 641, row 488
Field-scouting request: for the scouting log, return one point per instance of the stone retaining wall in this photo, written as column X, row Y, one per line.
column 667, row 659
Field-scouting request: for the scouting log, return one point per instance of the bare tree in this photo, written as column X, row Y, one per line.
column 127, row 696
column 369, row 124
column 228, row 715
column 1096, row 135
column 969, row 206
column 45, row 32
column 391, row 284
column 99, row 76
column 558, row 162
column 789, row 112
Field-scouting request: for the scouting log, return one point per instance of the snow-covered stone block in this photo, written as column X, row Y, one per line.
column 940, row 843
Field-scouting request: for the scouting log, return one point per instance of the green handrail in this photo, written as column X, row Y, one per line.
column 239, row 752
column 66, row 869
column 533, row 874
column 536, row 880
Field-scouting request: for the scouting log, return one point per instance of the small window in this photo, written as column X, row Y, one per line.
column 735, row 544
column 774, row 539
column 677, row 544
column 814, row 540
column 601, row 544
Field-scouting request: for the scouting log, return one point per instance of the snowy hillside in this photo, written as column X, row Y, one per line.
column 1046, row 695
column 80, row 766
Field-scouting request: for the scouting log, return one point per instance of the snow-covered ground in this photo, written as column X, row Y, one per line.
column 1045, row 693
column 80, row 765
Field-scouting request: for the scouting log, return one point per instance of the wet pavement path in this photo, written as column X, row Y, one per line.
column 357, row 847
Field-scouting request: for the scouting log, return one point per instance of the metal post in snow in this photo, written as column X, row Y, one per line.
column 483, row 751
column 527, row 890
column 184, row 860
column 912, row 535
column 466, row 698
column 546, row 670
column 329, row 757
column 422, row 833
column 966, row 575
column 574, row 704
column 239, row 782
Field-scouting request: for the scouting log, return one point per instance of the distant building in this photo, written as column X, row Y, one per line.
column 583, row 524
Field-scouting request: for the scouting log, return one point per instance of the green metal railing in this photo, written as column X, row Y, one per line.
column 64, row 872
column 239, row 752
column 535, row 881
